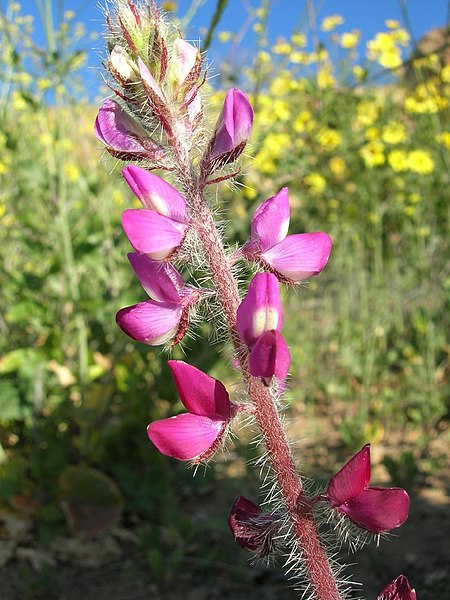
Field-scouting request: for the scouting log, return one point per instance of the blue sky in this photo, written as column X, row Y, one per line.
column 286, row 16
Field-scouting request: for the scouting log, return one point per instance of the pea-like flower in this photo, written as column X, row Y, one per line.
column 259, row 322
column 398, row 589
column 292, row 258
column 158, row 229
column 165, row 316
column 373, row 508
column 124, row 137
column 197, row 434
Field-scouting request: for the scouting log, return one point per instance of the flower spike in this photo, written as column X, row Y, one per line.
column 253, row 529
column 194, row 435
column 398, row 589
column 292, row 258
column 372, row 508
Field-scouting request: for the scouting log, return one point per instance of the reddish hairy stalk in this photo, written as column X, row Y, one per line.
column 298, row 506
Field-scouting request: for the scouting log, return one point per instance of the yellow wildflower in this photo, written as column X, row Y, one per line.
column 392, row 24
column 444, row 139
column 329, row 139
column 258, row 28
column 316, row 182
column 325, row 77
column 224, row 36
column 359, row 72
column 366, row 113
column 349, row 39
column 372, row 154
column 301, row 122
column 72, row 172
column 299, row 40
column 331, row 22
column 420, row 162
column 390, row 59
column 169, row 6
column 445, row 74
column 264, row 57
column 17, row 101
column 337, row 166
column 282, row 47
column 394, row 133
column 398, row 160
column 372, row 133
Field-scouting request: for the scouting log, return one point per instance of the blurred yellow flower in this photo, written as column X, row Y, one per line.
column 372, row 154
column 303, row 122
column 392, row 24
column 325, row 77
column 316, row 182
column 264, row 57
column 349, row 39
column 366, row 113
column 331, row 22
column 394, row 133
column 337, row 166
column 329, row 139
column 445, row 74
column 444, row 139
column 420, row 162
column 72, row 172
column 282, row 47
column 390, row 59
column 372, row 133
column 258, row 27
column 17, row 101
column 359, row 72
column 398, row 160
column 224, row 36
column 169, row 6
column 299, row 40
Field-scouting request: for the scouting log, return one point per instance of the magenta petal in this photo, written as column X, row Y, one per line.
column 300, row 256
column 261, row 309
column 161, row 281
column 185, row 436
column 155, row 193
column 152, row 233
column 378, row 509
column 398, row 589
column 151, row 323
column 201, row 394
column 270, row 356
column 117, row 130
column 234, row 124
column 351, row 480
column 270, row 222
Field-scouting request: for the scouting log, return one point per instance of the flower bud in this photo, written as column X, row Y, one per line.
column 398, row 589
column 253, row 529
column 232, row 129
column 122, row 67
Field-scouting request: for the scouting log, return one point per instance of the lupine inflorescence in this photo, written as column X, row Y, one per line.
column 155, row 117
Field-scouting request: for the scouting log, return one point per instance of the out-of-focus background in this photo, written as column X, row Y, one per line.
column 352, row 113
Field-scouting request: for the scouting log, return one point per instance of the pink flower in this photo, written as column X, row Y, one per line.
column 398, row 589
column 291, row 257
column 186, row 62
column 123, row 137
column 253, row 529
column 232, row 129
column 259, row 322
column 160, row 228
column 373, row 508
column 194, row 435
column 156, row 194
column 165, row 316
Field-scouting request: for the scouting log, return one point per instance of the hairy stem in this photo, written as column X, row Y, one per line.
column 298, row 506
